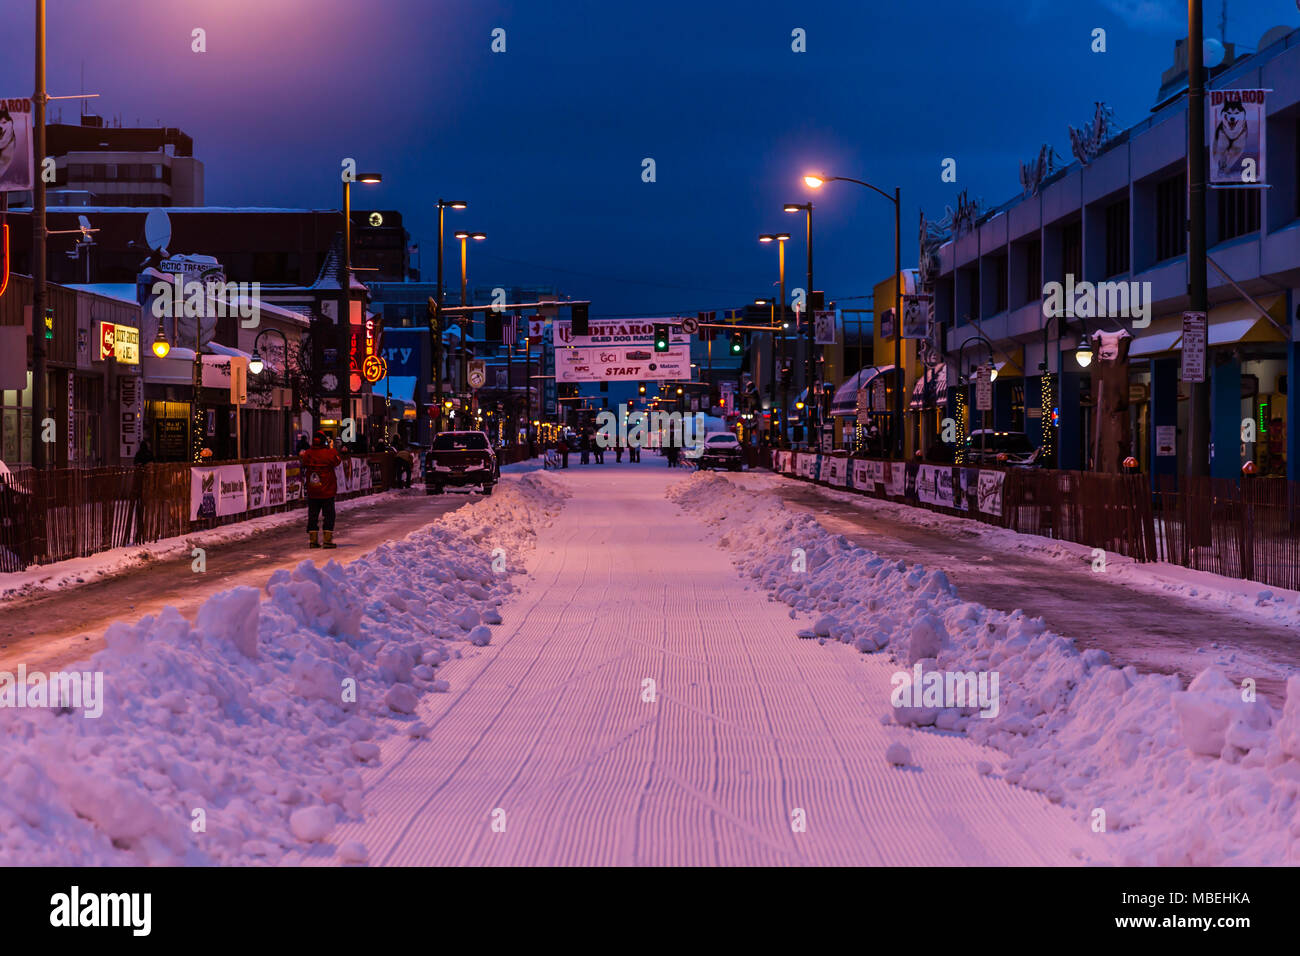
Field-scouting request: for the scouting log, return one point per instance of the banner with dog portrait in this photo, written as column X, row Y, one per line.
column 274, row 483
column 16, row 158
column 1237, row 147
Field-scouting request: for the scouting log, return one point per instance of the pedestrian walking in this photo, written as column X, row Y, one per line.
column 405, row 462
column 564, row 452
column 598, row 449
column 318, row 463
column 584, row 446
column 671, row 453
column 144, row 454
column 618, row 454
column 633, row 450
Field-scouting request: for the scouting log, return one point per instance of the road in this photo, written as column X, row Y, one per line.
column 642, row 706
column 56, row 628
column 1155, row 632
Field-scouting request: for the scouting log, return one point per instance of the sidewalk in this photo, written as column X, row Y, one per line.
column 551, row 728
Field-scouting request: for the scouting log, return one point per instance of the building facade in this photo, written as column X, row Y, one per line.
column 1121, row 219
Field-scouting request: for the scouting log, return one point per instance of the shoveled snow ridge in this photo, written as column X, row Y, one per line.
column 230, row 740
column 1194, row 776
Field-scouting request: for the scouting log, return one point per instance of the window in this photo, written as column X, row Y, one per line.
column 110, row 171
column 1034, row 270
column 1117, row 247
column 1072, row 250
column 1000, row 280
column 1171, row 217
column 1238, row 212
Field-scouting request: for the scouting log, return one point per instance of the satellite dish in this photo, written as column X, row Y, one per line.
column 1213, row 52
column 1275, row 34
column 158, row 230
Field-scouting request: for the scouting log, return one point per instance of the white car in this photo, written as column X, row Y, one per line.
column 721, row 450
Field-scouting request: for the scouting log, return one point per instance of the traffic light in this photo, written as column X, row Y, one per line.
column 579, row 319
column 737, row 343
column 661, row 338
column 641, row 389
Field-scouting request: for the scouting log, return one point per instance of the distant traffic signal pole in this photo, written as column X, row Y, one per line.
column 780, row 239
column 435, row 316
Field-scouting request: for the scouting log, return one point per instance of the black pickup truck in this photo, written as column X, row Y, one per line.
column 459, row 459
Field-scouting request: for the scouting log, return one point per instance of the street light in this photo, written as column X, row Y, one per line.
column 1083, row 352
column 816, row 181
column 781, row 238
column 810, row 347
column 435, row 321
column 160, row 344
column 369, row 179
column 464, row 237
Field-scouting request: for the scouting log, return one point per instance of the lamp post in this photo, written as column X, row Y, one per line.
column 369, row 178
column 38, row 246
column 781, row 238
column 255, row 365
column 961, row 366
column 345, row 319
column 435, row 320
column 810, row 364
column 816, row 181
column 464, row 237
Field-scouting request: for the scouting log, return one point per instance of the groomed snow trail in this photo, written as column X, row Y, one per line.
column 547, row 732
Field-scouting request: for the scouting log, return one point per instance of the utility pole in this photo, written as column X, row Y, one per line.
column 1198, row 421
column 38, row 247
column 810, row 365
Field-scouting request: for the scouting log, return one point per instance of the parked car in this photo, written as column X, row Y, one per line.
column 987, row 447
column 459, row 459
column 722, row 450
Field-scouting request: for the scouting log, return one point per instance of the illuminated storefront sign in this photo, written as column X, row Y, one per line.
column 121, row 342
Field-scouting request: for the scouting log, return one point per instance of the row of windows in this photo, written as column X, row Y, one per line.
column 128, row 172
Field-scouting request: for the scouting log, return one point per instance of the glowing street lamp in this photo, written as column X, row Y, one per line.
column 160, row 344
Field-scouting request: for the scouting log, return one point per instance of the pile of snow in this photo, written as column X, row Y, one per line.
column 236, row 738
column 1196, row 776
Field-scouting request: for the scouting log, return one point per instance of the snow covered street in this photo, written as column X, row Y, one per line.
column 604, row 666
column 642, row 705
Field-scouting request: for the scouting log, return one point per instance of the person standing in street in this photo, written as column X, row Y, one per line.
column 564, row 452
column 318, row 479
column 584, row 446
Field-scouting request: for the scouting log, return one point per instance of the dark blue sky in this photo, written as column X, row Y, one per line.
column 546, row 140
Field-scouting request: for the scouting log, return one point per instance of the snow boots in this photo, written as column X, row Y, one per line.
column 329, row 540
column 312, row 541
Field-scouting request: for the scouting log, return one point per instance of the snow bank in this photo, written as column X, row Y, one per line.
column 1193, row 775
column 229, row 741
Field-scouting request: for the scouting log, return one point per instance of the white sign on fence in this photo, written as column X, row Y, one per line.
column 217, row 492
column 989, row 492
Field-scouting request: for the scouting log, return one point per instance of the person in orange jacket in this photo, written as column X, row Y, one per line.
column 318, row 464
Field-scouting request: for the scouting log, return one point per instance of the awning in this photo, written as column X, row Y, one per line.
column 845, row 401
column 1229, row 324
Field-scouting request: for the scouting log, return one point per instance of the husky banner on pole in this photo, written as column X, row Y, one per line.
column 1237, row 148
column 16, row 161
